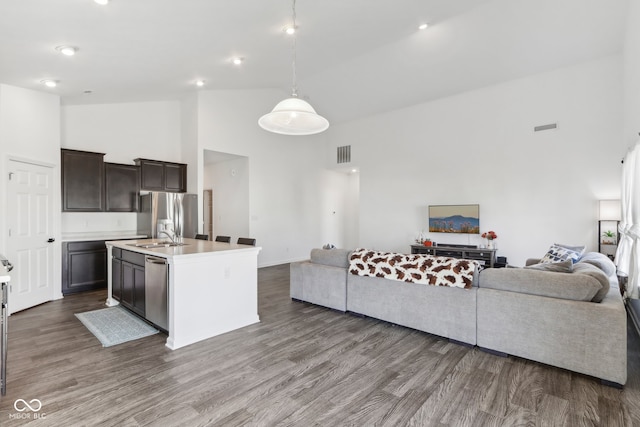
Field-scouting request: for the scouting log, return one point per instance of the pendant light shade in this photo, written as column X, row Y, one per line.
column 293, row 116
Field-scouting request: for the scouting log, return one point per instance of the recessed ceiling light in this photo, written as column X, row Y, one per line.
column 67, row 50
column 354, row 170
column 289, row 30
column 49, row 83
column 102, row 2
column 237, row 61
column 199, row 83
column 423, row 26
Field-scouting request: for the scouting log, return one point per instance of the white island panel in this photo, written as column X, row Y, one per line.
column 211, row 296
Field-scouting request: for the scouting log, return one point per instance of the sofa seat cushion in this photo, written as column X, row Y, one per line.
column 331, row 257
column 423, row 269
column 586, row 283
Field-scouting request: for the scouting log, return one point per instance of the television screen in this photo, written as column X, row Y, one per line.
column 462, row 219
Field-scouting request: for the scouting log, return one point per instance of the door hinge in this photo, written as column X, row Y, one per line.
column 9, row 232
column 10, row 175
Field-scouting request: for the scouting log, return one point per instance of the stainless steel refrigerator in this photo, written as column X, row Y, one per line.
column 176, row 213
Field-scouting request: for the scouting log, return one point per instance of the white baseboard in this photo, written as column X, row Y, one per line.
column 289, row 261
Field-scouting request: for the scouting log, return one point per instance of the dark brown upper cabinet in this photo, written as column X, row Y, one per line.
column 162, row 176
column 122, row 184
column 82, row 181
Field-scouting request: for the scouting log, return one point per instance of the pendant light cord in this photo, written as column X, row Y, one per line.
column 294, row 88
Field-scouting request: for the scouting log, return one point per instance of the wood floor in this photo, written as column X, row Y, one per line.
column 302, row 365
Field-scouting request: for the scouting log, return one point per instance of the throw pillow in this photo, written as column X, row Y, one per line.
column 558, row 267
column 557, row 253
column 572, row 247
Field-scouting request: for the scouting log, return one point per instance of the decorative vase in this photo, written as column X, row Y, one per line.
column 489, row 244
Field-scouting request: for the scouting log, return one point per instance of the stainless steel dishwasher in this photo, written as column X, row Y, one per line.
column 156, row 286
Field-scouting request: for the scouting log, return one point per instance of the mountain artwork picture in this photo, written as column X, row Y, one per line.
column 461, row 219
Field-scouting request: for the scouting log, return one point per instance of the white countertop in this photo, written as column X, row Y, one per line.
column 192, row 248
column 101, row 235
column 5, row 279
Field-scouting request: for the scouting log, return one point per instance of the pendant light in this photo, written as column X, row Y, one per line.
column 293, row 116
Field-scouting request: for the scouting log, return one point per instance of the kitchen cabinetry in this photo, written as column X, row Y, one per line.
column 122, row 183
column 128, row 281
column 82, row 181
column 162, row 176
column 84, row 266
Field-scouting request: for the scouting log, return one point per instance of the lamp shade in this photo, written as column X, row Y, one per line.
column 293, row 116
column 609, row 210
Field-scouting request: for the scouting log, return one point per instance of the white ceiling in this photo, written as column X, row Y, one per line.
column 355, row 57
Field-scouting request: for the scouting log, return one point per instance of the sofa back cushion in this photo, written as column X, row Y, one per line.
column 586, row 269
column 586, row 283
column 601, row 261
column 331, row 257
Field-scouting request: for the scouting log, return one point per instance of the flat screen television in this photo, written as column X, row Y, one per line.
column 461, row 219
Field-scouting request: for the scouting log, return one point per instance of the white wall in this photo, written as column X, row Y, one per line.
column 632, row 76
column 479, row 147
column 30, row 129
column 124, row 132
column 352, row 214
column 287, row 175
column 189, row 138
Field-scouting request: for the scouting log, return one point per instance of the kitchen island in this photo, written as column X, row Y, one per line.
column 212, row 286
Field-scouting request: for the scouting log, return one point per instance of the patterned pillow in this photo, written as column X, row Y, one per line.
column 558, row 252
column 558, row 267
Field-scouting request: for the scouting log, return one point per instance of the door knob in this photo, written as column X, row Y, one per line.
column 51, row 240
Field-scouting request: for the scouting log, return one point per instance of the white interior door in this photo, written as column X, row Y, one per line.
column 30, row 236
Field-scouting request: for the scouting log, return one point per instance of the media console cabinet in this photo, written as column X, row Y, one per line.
column 487, row 257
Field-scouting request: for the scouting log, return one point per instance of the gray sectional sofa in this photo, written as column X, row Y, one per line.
column 574, row 320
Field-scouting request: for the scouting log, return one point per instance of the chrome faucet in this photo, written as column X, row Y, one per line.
column 173, row 240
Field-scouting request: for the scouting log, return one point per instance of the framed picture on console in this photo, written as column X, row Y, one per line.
column 461, row 219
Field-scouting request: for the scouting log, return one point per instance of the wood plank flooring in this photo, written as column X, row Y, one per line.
column 302, row 365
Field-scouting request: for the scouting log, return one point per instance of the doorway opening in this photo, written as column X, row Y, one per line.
column 227, row 177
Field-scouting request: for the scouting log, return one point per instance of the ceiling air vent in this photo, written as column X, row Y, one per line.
column 344, row 154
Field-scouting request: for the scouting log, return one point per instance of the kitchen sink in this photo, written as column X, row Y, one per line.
column 153, row 245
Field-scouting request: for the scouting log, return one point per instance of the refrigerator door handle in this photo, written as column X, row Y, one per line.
column 179, row 217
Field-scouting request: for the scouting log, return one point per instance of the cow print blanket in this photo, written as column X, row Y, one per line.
column 425, row 269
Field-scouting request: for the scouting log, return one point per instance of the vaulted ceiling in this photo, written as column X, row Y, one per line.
column 354, row 57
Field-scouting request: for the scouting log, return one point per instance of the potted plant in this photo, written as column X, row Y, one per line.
column 609, row 238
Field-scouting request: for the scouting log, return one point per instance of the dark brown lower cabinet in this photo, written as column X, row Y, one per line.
column 84, row 266
column 127, row 269
column 116, row 277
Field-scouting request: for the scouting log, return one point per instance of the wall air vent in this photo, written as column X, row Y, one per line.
column 344, row 154
column 545, row 127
